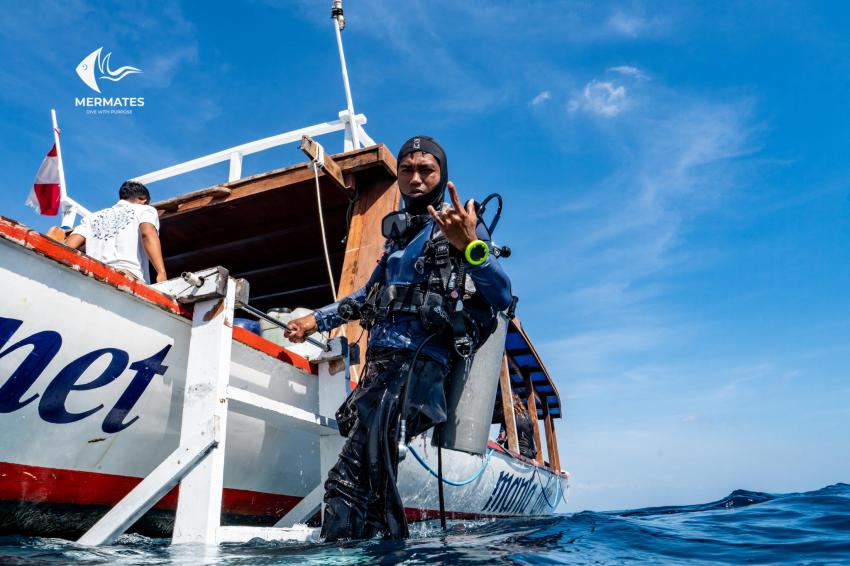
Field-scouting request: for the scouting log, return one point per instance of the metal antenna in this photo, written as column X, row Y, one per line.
column 339, row 25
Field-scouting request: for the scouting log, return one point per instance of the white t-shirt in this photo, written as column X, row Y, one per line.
column 112, row 236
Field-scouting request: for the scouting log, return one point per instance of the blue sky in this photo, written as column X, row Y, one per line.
column 675, row 176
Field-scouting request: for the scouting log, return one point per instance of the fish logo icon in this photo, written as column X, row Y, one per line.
column 94, row 67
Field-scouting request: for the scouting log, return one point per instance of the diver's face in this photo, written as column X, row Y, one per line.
column 418, row 174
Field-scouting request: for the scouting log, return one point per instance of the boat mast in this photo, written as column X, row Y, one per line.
column 339, row 25
column 69, row 208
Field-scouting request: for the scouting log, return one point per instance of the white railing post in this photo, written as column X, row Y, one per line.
column 235, row 167
column 345, row 118
column 198, row 515
column 243, row 150
column 334, row 387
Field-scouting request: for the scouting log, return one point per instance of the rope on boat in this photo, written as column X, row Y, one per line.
column 543, row 489
column 467, row 481
column 319, row 163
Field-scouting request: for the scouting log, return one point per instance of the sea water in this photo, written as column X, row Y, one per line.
column 745, row 527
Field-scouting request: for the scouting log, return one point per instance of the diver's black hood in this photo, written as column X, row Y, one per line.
column 428, row 145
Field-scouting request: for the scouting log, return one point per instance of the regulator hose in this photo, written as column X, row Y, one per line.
column 402, row 427
column 483, row 206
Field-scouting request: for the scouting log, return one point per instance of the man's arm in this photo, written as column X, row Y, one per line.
column 322, row 319
column 489, row 277
column 150, row 240
column 75, row 241
column 327, row 317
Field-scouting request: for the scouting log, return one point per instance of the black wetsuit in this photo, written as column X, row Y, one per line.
column 361, row 498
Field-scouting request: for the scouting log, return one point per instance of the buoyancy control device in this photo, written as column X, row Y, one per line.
column 447, row 302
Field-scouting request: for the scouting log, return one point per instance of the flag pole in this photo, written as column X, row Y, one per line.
column 63, row 191
column 68, row 206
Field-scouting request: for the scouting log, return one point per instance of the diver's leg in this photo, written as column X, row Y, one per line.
column 392, row 506
column 426, row 407
column 346, row 492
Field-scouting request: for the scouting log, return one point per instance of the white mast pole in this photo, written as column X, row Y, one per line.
column 68, row 207
column 63, row 191
column 339, row 25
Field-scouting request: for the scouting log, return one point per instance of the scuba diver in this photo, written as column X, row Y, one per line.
column 432, row 299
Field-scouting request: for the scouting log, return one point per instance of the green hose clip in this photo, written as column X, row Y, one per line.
column 476, row 252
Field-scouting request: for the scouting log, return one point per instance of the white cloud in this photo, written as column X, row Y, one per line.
column 601, row 97
column 678, row 157
column 630, row 71
column 588, row 352
column 163, row 67
column 627, row 25
column 541, row 98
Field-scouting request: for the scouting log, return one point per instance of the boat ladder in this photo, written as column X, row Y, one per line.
column 198, row 462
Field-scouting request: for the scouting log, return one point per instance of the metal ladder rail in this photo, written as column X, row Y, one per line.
column 198, row 462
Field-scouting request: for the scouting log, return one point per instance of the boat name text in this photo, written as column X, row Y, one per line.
column 52, row 405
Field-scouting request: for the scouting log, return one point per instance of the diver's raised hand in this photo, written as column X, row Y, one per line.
column 456, row 222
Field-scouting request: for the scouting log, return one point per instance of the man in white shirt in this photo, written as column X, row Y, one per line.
column 124, row 236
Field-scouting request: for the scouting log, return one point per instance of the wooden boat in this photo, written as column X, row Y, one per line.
column 93, row 364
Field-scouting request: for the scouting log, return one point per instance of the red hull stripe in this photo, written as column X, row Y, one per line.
column 82, row 263
column 272, row 349
column 425, row 514
column 33, row 484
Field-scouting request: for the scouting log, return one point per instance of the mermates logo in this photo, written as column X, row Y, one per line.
column 96, row 66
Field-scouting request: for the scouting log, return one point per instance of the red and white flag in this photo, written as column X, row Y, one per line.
column 45, row 194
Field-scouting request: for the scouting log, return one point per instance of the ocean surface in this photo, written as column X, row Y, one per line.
column 745, row 527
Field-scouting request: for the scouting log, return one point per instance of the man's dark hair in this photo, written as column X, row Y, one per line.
column 132, row 189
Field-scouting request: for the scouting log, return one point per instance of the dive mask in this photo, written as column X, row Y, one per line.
column 395, row 225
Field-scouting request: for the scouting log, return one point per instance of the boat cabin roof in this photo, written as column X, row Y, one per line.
column 526, row 367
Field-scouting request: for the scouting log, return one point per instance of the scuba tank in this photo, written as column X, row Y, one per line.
column 471, row 394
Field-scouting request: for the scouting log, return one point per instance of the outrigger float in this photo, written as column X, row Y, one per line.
column 125, row 406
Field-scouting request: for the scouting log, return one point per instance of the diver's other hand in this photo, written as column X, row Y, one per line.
column 457, row 223
column 300, row 328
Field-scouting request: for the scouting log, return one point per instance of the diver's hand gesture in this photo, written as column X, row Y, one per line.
column 458, row 223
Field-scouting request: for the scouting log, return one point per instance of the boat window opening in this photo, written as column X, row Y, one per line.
column 264, row 229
